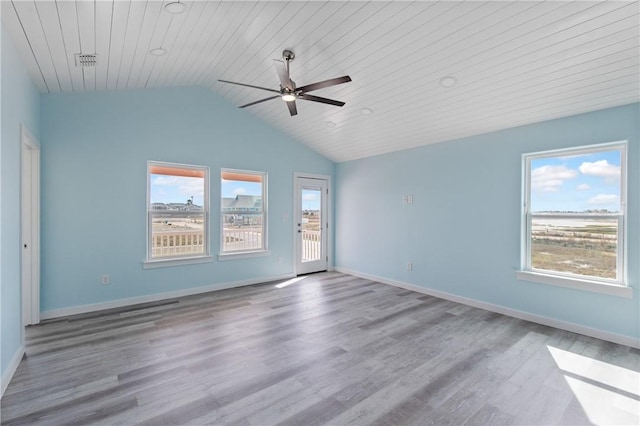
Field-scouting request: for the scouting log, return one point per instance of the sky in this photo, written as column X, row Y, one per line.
column 576, row 183
column 231, row 188
column 176, row 189
column 311, row 199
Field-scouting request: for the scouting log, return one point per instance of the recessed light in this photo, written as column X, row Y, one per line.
column 366, row 111
column 330, row 124
column 175, row 7
column 448, row 81
column 158, row 51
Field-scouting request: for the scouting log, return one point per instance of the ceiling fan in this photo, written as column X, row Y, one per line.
column 289, row 92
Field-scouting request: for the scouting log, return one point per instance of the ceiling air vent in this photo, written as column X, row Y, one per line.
column 86, row 60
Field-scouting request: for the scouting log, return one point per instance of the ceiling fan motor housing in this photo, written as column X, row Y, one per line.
column 288, row 55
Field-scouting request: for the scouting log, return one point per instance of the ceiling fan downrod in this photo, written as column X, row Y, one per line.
column 288, row 56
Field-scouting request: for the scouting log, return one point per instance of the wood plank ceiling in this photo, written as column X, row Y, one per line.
column 514, row 62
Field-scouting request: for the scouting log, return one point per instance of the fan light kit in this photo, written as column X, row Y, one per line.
column 289, row 92
column 175, row 7
column 288, row 97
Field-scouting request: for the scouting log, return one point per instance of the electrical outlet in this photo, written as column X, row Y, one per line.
column 410, row 199
column 405, row 199
column 106, row 279
column 409, row 266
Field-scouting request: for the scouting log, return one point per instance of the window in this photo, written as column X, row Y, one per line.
column 244, row 209
column 178, row 211
column 574, row 214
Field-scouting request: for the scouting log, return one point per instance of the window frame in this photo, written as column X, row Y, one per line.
column 619, row 285
column 186, row 259
column 246, row 253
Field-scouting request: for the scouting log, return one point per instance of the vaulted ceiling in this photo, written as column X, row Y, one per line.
column 513, row 62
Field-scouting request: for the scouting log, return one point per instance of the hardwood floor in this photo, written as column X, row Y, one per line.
column 328, row 349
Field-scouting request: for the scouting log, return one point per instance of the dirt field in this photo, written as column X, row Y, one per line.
column 583, row 251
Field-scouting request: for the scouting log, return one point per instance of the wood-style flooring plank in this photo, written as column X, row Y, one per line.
column 329, row 349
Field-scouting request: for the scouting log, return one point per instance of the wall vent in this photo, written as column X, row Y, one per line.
column 86, row 60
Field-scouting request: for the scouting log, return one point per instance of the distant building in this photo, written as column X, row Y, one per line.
column 176, row 207
column 242, row 203
column 238, row 210
column 158, row 206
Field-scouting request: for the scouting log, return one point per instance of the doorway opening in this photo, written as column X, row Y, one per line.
column 30, row 229
column 311, row 224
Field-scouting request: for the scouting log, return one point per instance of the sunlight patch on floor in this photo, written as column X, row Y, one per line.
column 608, row 394
column 289, row 282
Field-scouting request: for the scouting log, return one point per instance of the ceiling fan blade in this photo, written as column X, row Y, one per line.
column 327, row 83
column 307, row 97
column 292, row 108
column 283, row 74
column 249, row 85
column 257, row 102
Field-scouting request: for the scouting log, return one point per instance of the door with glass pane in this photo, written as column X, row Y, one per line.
column 311, row 225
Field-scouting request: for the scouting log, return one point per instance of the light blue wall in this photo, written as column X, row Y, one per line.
column 20, row 105
column 462, row 232
column 95, row 148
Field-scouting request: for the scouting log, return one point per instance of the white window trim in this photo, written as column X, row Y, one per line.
column 576, row 283
column 242, row 254
column 175, row 261
column 162, row 262
column 249, row 253
column 617, row 287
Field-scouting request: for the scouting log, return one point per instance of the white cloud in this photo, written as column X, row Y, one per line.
column 186, row 186
column 604, row 199
column 192, row 187
column 550, row 178
column 239, row 191
column 166, row 180
column 310, row 196
column 583, row 187
column 600, row 168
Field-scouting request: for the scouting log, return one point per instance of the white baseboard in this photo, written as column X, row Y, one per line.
column 551, row 322
column 83, row 309
column 563, row 325
column 11, row 369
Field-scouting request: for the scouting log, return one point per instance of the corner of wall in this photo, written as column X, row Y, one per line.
column 11, row 369
column 19, row 105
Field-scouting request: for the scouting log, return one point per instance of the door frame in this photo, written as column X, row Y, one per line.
column 30, row 288
column 329, row 225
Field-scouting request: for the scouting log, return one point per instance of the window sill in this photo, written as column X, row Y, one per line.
column 243, row 255
column 175, row 261
column 576, row 283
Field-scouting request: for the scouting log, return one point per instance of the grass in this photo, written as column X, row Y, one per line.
column 312, row 224
column 582, row 256
column 593, row 229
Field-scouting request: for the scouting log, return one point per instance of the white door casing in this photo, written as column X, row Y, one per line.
column 311, row 229
column 30, row 227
